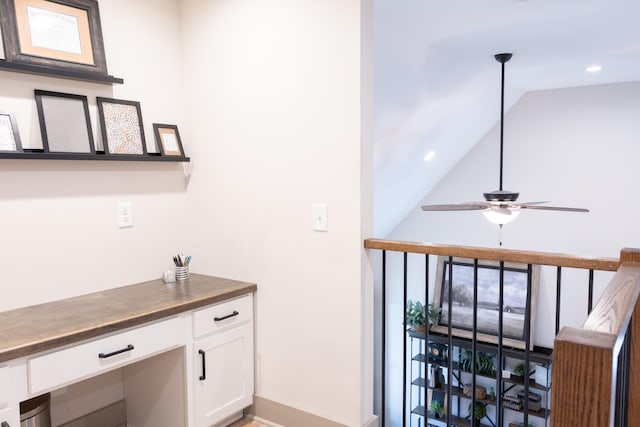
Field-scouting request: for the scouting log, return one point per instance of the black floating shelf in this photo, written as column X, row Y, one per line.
column 63, row 74
column 87, row 156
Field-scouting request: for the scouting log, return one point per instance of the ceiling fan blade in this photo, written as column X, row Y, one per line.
column 551, row 208
column 470, row 206
column 533, row 203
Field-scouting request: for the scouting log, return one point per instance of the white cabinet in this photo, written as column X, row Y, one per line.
column 223, row 361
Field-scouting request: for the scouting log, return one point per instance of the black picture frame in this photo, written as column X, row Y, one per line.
column 9, row 125
column 82, row 52
column 515, row 313
column 65, row 123
column 168, row 140
column 121, row 127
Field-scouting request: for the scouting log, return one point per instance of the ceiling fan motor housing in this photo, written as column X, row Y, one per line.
column 501, row 196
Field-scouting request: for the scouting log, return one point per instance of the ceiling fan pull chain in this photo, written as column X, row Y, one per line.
column 500, row 235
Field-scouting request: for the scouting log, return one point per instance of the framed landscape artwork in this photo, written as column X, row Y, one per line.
column 514, row 308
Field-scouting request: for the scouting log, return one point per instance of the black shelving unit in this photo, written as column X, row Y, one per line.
column 421, row 417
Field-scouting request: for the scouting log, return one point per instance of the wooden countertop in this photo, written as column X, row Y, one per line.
column 43, row 327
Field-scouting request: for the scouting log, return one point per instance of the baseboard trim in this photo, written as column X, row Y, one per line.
column 276, row 414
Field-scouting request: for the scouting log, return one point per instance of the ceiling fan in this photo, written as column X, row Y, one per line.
column 500, row 206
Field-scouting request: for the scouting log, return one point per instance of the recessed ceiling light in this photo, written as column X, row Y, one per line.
column 430, row 155
column 593, row 68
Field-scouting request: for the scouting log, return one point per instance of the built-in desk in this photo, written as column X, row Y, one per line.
column 208, row 319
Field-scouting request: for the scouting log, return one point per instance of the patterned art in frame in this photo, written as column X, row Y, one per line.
column 122, row 129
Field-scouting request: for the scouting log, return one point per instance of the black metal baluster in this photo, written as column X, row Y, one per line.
column 558, row 293
column 474, row 335
column 404, row 346
column 426, row 336
column 450, row 340
column 500, row 356
column 590, row 305
column 384, row 338
column 527, row 341
column 622, row 380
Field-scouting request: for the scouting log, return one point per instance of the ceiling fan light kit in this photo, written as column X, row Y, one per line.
column 500, row 206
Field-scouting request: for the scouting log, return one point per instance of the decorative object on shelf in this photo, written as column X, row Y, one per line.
column 121, row 124
column 485, row 362
column 512, row 402
column 543, row 375
column 437, row 352
column 477, row 412
column 535, row 400
column 515, row 313
column 492, row 392
column 437, row 408
column 481, row 392
column 434, row 376
column 168, row 140
column 60, row 34
column 9, row 135
column 65, row 123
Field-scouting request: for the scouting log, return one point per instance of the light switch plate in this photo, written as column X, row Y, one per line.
column 320, row 217
column 125, row 215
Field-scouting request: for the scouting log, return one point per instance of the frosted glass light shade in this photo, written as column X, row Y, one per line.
column 500, row 218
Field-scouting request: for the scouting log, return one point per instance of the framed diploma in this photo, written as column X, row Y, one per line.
column 60, row 34
column 9, row 137
column 168, row 139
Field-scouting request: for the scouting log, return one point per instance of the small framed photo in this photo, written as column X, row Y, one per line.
column 58, row 34
column 9, row 136
column 121, row 124
column 168, row 139
column 65, row 124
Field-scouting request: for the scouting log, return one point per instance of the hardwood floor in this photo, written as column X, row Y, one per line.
column 246, row 422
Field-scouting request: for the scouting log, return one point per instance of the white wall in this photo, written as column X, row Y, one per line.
column 268, row 99
column 574, row 147
column 59, row 228
column 275, row 125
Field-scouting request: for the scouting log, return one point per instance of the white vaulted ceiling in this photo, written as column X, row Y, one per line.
column 437, row 85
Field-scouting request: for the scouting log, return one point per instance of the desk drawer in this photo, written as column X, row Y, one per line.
column 222, row 316
column 82, row 361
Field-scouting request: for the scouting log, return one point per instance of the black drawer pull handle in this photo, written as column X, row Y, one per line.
column 217, row 319
column 122, row 350
column 204, row 367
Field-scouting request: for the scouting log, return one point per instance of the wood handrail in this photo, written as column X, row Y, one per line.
column 585, row 359
column 507, row 255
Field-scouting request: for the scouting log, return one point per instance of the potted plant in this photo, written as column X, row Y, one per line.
column 437, row 408
column 519, row 370
column 485, row 362
column 477, row 412
column 418, row 314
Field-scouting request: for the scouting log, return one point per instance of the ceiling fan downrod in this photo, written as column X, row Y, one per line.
column 501, row 195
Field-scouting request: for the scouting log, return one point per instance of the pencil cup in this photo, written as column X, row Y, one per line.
column 182, row 273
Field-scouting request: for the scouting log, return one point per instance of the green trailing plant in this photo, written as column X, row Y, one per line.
column 437, row 408
column 418, row 314
column 519, row 370
column 485, row 362
column 479, row 411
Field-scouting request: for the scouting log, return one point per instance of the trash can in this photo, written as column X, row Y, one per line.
column 35, row 412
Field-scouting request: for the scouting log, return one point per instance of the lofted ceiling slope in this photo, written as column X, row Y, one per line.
column 437, row 85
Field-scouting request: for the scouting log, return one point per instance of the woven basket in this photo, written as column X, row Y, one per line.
column 512, row 402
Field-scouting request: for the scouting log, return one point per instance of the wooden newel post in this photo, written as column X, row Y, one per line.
column 582, row 378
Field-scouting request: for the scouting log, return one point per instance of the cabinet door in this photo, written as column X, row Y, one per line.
column 224, row 374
